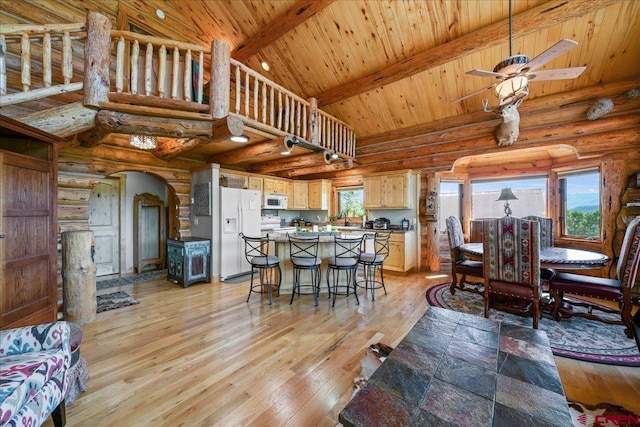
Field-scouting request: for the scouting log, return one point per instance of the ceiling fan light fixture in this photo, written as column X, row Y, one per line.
column 511, row 87
column 143, row 142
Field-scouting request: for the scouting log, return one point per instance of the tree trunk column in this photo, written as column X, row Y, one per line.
column 79, row 276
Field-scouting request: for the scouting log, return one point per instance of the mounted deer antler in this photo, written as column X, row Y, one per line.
column 507, row 132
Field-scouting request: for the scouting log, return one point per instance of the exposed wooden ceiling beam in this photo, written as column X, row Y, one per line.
column 300, row 12
column 290, row 162
column 249, row 152
column 321, row 168
column 534, row 20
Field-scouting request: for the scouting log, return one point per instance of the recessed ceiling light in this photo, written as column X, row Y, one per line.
column 159, row 13
column 285, row 152
column 240, row 138
column 265, row 65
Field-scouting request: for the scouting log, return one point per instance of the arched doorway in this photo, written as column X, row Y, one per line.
column 112, row 215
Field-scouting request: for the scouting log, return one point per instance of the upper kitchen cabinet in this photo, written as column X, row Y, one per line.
column 395, row 190
column 254, row 183
column 273, row 185
column 320, row 194
column 300, row 195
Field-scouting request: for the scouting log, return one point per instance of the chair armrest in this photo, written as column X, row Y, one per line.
column 45, row 336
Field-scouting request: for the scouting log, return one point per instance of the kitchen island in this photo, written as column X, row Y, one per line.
column 325, row 250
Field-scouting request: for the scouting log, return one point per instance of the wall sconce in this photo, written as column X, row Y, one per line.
column 506, row 194
column 143, row 142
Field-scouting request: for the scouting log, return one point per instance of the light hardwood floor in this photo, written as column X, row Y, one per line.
column 202, row 356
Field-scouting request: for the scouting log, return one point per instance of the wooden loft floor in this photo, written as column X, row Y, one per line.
column 202, row 356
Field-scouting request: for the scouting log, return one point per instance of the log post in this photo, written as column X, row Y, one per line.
column 79, row 276
column 313, row 134
column 97, row 57
column 220, row 78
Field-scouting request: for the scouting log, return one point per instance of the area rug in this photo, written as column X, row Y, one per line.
column 575, row 338
column 131, row 279
column 115, row 300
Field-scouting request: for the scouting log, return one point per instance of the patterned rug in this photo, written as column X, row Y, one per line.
column 131, row 279
column 575, row 338
column 115, row 300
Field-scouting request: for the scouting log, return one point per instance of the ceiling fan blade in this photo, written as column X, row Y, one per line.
column 557, row 74
column 484, row 73
column 469, row 95
column 557, row 49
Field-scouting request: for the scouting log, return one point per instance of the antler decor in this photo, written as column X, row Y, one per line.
column 507, row 132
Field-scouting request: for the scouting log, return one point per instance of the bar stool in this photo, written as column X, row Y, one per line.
column 304, row 257
column 372, row 263
column 256, row 251
column 346, row 256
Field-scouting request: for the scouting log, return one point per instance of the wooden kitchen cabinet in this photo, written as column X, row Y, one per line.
column 390, row 190
column 300, row 195
column 402, row 252
column 320, row 194
column 254, row 183
column 271, row 185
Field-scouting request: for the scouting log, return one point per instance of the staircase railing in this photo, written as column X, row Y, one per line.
column 46, row 61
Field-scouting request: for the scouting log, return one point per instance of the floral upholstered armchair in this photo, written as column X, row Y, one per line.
column 34, row 364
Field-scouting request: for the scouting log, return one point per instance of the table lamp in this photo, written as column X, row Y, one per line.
column 506, row 194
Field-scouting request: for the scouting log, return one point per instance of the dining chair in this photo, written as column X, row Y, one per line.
column 617, row 290
column 304, row 257
column 546, row 241
column 373, row 264
column 256, row 251
column 345, row 259
column 511, row 260
column 459, row 264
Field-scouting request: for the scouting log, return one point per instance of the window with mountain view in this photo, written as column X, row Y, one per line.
column 531, row 194
column 580, row 192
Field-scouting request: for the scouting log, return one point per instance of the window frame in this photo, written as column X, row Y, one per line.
column 562, row 210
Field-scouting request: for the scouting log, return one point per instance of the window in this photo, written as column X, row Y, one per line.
column 580, row 201
column 531, row 193
column 350, row 202
column 450, row 203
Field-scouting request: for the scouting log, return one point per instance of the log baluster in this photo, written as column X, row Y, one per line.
column 238, row 89
column 264, row 103
column 279, row 110
column 67, row 58
column 120, row 65
column 200, row 77
column 25, row 62
column 162, row 71
column 3, row 65
column 148, row 69
column 135, row 53
column 175, row 71
column 187, row 87
column 46, row 59
column 271, row 106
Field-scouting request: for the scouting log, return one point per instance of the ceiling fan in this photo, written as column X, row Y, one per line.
column 515, row 72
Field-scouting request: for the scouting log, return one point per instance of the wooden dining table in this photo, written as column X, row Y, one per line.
column 551, row 257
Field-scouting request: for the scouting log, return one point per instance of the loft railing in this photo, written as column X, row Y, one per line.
column 46, row 61
column 267, row 103
column 151, row 72
column 159, row 67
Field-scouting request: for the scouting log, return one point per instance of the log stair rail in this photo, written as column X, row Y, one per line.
column 154, row 77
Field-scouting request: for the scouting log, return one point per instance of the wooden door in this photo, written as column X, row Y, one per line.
column 104, row 221
column 28, row 285
column 149, row 229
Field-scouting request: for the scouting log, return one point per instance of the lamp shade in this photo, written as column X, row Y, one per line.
column 511, row 86
column 506, row 194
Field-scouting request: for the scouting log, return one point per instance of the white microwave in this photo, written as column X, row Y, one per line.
column 274, row 201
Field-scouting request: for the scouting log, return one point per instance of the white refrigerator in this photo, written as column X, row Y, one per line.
column 239, row 213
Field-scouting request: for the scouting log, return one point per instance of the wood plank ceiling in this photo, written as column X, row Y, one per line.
column 390, row 69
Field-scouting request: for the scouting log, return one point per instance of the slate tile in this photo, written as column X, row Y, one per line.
column 468, row 376
column 443, row 326
column 474, row 353
column 423, row 360
column 530, row 399
column 423, row 418
column 456, row 405
column 443, row 314
column 478, row 322
column 374, row 407
column 505, row 416
column 428, row 339
column 477, row 336
column 527, row 350
column 533, row 372
column 402, row 381
column 536, row 336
